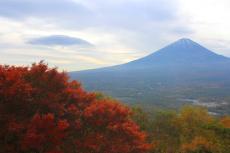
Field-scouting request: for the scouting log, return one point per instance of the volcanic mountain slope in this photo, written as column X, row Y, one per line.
column 181, row 70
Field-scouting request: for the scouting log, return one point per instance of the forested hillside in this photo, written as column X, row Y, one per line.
column 190, row 130
column 42, row 111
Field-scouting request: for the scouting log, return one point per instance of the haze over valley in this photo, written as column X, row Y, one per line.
column 183, row 72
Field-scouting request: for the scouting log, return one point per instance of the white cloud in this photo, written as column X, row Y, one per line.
column 210, row 21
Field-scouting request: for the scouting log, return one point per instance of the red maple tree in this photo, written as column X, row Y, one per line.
column 42, row 111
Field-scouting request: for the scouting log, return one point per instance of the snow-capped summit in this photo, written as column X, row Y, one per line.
column 183, row 51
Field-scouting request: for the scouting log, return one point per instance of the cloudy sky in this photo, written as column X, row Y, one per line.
column 85, row 34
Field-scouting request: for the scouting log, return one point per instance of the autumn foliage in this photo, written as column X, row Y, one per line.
column 42, row 111
column 189, row 130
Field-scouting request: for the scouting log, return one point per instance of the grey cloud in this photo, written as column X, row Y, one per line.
column 127, row 13
column 149, row 10
column 131, row 14
column 59, row 40
column 138, row 17
column 18, row 9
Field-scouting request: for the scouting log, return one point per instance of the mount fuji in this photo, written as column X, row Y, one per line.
column 179, row 71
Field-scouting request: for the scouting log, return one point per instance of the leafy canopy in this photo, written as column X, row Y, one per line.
column 42, row 111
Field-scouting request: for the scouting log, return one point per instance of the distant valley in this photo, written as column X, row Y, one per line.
column 183, row 72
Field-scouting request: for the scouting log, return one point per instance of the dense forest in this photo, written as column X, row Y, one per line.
column 43, row 111
column 190, row 130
